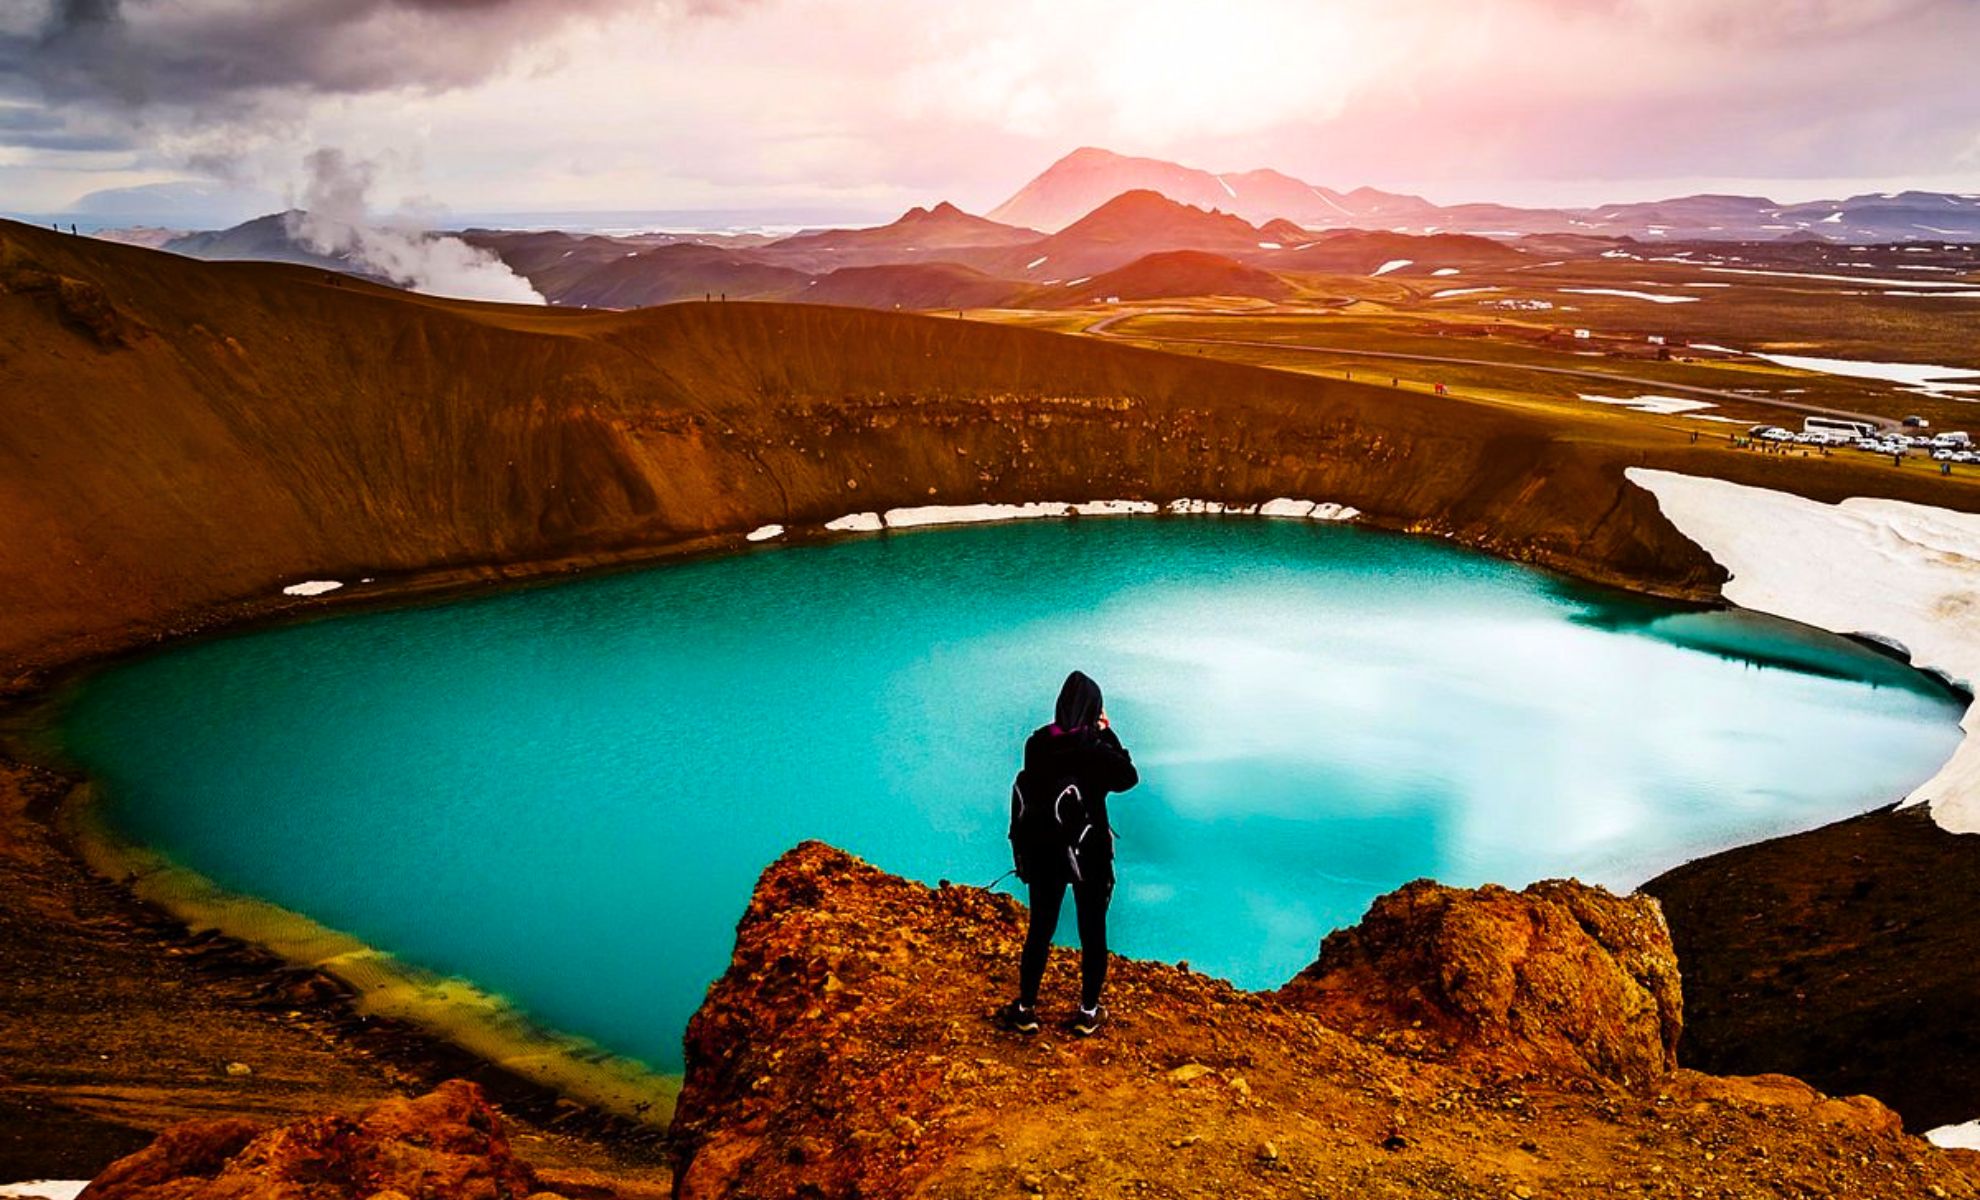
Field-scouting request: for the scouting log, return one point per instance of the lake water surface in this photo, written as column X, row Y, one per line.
column 565, row 793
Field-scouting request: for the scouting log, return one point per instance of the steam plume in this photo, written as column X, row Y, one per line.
column 333, row 221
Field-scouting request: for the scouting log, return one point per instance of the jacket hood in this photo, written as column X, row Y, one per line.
column 1079, row 703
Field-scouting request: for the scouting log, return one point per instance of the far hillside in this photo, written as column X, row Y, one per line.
column 1171, row 274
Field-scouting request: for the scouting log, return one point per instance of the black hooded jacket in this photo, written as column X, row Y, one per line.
column 1075, row 746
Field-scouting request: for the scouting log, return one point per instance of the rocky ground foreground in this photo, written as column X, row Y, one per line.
column 1454, row 1044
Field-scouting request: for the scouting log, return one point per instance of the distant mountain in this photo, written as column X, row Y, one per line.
column 920, row 235
column 1130, row 226
column 264, row 239
column 1169, row 273
column 1088, row 177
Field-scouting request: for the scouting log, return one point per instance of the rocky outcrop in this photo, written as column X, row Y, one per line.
column 1843, row 955
column 1560, row 978
column 1461, row 1043
column 447, row 1145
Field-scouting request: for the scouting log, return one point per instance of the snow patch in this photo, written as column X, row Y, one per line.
column 1864, row 279
column 1227, row 187
column 859, row 522
column 920, row 516
column 1036, row 263
column 1922, row 378
column 763, row 533
column 1901, row 572
column 1956, row 1137
column 46, row 1189
column 1283, row 507
column 1663, row 406
column 1447, row 271
column 312, row 587
column 1446, row 293
column 1394, row 264
column 1268, row 245
column 1653, row 297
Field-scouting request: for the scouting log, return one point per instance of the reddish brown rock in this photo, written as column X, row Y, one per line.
column 1558, row 978
column 447, row 1145
column 847, row 1052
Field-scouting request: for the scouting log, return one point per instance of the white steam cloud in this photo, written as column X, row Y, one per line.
column 333, row 221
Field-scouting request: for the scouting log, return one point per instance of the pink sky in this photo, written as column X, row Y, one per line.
column 872, row 105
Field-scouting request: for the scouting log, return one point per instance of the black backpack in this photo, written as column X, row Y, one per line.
column 1048, row 823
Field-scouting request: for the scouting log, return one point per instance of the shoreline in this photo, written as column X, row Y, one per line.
column 454, row 1011
column 540, row 1070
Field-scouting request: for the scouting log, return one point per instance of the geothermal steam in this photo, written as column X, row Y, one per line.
column 333, row 221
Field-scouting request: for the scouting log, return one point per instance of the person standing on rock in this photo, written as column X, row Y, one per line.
column 1060, row 838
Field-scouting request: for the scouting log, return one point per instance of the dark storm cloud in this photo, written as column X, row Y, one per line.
column 225, row 55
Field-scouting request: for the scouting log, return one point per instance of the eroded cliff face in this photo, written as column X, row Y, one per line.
column 183, row 439
column 1458, row 1043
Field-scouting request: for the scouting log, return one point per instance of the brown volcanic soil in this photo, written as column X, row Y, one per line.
column 848, row 1052
column 1844, row 955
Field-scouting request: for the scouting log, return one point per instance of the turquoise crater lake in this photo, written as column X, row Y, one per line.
column 565, row 793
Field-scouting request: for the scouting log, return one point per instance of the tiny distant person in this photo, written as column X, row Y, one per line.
column 1060, row 838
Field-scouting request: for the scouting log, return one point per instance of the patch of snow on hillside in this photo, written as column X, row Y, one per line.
column 1901, row 573
column 1036, row 263
column 1956, row 1137
column 1447, row 293
column 1447, row 271
column 1629, row 295
column 1923, row 378
column 1662, row 406
column 312, row 587
column 861, row 522
column 1227, row 187
column 1394, row 264
column 763, row 533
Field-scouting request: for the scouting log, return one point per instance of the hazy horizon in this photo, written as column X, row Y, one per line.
column 854, row 112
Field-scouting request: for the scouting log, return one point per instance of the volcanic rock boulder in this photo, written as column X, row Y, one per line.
column 1560, row 978
column 848, row 1052
column 447, row 1145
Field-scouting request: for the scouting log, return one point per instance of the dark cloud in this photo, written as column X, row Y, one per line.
column 187, row 54
column 114, row 72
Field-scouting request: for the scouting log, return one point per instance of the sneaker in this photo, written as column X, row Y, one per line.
column 1018, row 1017
column 1088, row 1021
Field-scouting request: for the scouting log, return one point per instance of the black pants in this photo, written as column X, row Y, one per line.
column 1048, row 896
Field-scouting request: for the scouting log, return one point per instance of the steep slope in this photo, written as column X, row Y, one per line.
column 181, row 440
column 1467, row 1044
column 1169, row 273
